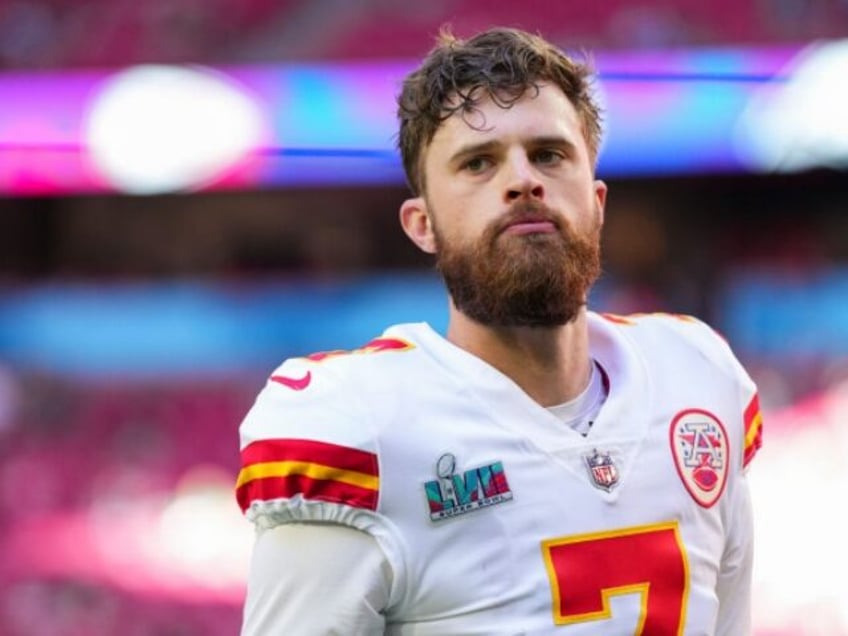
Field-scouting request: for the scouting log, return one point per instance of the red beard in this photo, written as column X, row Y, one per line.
column 529, row 280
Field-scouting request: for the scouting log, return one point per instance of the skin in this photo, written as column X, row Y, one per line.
column 475, row 168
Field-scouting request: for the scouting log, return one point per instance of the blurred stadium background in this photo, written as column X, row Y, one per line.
column 191, row 191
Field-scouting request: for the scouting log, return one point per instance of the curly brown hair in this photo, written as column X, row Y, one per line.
column 500, row 63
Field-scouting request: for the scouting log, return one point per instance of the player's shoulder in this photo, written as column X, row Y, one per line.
column 666, row 333
column 658, row 320
column 330, row 388
column 309, row 445
column 313, row 432
column 676, row 341
column 318, row 376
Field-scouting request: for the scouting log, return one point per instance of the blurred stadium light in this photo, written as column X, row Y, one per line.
column 801, row 124
column 159, row 128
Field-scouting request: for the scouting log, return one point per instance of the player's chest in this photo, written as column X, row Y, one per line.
column 513, row 519
column 641, row 458
column 677, row 469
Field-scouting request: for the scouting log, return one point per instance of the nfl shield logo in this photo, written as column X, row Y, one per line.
column 603, row 470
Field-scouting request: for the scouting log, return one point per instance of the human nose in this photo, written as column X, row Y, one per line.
column 522, row 181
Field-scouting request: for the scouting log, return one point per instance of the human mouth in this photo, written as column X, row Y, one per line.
column 530, row 227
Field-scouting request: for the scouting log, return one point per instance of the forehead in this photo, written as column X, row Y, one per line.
column 546, row 113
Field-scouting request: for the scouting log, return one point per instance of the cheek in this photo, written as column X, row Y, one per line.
column 453, row 217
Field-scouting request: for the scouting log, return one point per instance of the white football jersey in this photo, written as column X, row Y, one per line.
column 498, row 519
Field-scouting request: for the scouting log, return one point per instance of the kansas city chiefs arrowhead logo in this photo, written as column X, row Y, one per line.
column 701, row 453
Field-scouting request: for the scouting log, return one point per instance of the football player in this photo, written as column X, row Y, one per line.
column 540, row 469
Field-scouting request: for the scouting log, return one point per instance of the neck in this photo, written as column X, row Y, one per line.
column 550, row 364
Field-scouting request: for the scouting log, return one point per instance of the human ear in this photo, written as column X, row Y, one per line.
column 415, row 221
column 600, row 200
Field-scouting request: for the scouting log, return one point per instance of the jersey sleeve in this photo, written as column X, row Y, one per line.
column 307, row 451
column 293, row 567
column 733, row 586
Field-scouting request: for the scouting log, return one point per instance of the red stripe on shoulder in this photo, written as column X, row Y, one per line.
column 317, row 471
column 306, row 450
column 753, row 429
column 285, row 487
column 387, row 344
column 752, row 410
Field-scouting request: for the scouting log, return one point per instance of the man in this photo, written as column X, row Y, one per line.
column 542, row 469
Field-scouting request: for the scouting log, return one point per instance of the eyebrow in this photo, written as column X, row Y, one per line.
column 487, row 147
column 471, row 150
column 552, row 140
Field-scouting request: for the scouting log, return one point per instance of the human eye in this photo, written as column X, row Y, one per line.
column 548, row 156
column 477, row 164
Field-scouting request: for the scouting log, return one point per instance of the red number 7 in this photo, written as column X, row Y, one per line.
column 586, row 570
